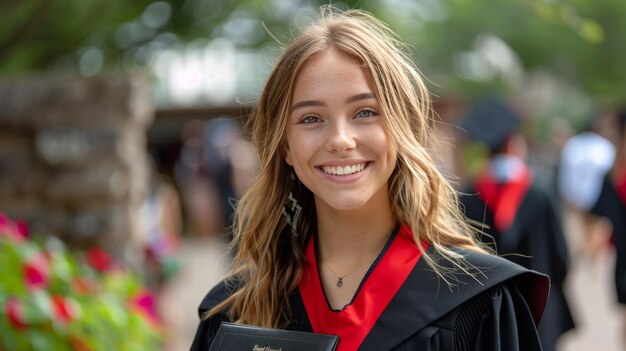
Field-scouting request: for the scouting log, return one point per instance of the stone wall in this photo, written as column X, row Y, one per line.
column 73, row 159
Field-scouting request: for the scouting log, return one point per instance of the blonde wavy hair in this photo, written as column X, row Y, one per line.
column 269, row 260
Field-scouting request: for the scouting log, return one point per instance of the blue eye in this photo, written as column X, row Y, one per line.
column 365, row 113
column 309, row 119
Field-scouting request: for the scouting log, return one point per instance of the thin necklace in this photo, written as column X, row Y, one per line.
column 340, row 277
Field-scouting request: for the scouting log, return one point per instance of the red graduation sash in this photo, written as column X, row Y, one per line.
column 620, row 184
column 503, row 199
column 356, row 320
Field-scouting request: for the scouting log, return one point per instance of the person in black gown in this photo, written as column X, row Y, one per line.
column 611, row 204
column 349, row 228
column 519, row 218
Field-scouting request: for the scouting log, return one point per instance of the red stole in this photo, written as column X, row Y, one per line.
column 356, row 320
column 503, row 199
column 620, row 184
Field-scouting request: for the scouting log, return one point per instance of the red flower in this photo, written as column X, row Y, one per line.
column 63, row 309
column 99, row 259
column 36, row 271
column 4, row 222
column 13, row 309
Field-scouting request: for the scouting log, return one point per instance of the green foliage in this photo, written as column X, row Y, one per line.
column 39, row 33
column 580, row 42
column 53, row 299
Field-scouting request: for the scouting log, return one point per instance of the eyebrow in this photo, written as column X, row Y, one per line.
column 351, row 99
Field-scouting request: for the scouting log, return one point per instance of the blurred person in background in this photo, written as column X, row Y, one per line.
column 350, row 229
column 517, row 217
column 584, row 161
column 215, row 167
column 161, row 222
column 229, row 163
column 608, row 200
column 202, row 211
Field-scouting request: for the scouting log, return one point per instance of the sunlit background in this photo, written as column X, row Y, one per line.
column 201, row 65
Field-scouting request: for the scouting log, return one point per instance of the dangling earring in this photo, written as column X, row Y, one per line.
column 292, row 211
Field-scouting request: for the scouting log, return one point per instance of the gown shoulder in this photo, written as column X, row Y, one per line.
column 208, row 326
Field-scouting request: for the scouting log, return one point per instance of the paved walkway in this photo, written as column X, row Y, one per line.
column 599, row 318
column 590, row 289
column 203, row 263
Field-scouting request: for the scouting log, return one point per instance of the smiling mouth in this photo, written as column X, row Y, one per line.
column 344, row 170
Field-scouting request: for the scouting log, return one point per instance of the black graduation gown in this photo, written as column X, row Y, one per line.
column 610, row 205
column 534, row 239
column 498, row 309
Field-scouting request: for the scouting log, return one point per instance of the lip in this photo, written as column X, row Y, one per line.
column 343, row 163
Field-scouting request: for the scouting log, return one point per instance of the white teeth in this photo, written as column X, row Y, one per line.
column 346, row 170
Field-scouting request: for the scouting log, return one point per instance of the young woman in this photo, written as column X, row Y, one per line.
column 349, row 228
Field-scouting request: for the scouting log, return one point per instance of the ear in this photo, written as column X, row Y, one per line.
column 287, row 154
column 284, row 145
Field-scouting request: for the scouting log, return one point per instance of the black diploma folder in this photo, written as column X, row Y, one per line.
column 238, row 337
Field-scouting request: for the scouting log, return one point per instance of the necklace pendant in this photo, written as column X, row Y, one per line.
column 340, row 282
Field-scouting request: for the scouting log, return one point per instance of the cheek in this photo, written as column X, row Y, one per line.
column 300, row 149
column 385, row 146
column 292, row 154
column 298, row 158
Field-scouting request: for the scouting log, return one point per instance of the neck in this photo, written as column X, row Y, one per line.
column 352, row 238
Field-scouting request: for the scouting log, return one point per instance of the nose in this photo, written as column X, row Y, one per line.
column 341, row 137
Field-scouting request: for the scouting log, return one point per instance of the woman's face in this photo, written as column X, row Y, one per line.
column 336, row 140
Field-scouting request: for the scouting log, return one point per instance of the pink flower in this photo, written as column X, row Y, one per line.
column 21, row 229
column 143, row 302
column 14, row 231
column 14, row 312
column 4, row 222
column 36, row 271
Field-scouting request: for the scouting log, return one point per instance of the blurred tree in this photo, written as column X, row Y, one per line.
column 463, row 45
column 578, row 41
column 41, row 34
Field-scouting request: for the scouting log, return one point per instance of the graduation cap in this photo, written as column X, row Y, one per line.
column 491, row 122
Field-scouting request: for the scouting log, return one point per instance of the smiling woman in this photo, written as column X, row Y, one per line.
column 349, row 224
column 335, row 127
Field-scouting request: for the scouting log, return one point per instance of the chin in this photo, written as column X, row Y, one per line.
column 346, row 205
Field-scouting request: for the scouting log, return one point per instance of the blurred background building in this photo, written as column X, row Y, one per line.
column 122, row 122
